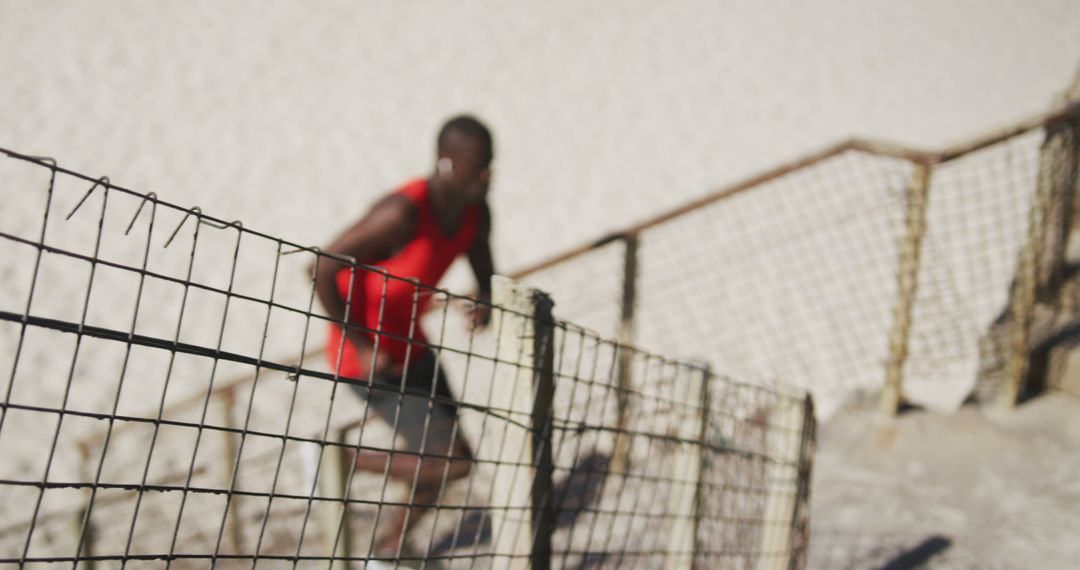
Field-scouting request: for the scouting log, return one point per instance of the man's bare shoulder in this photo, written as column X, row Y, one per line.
column 393, row 207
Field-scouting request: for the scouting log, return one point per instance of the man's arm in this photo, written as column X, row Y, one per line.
column 482, row 265
column 388, row 226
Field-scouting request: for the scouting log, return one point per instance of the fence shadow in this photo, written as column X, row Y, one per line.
column 842, row 550
column 920, row 554
column 572, row 496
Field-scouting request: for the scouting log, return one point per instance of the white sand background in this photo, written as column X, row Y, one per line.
column 294, row 116
column 602, row 115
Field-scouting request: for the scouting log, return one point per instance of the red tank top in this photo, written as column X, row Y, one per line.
column 425, row 257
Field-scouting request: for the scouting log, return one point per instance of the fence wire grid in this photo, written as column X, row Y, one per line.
column 861, row 268
column 150, row 419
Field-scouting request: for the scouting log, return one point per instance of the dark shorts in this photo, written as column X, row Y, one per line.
column 424, row 415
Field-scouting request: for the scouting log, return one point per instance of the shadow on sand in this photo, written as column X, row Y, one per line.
column 572, row 495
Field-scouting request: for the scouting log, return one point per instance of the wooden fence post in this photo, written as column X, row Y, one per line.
column 907, row 287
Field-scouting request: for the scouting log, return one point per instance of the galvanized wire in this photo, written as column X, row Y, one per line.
column 816, row 275
column 149, row 414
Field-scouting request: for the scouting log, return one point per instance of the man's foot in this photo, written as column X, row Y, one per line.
column 427, row 478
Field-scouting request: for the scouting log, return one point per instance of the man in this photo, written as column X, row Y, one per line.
column 416, row 232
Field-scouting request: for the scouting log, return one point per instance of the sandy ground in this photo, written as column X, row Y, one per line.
column 969, row 490
column 602, row 117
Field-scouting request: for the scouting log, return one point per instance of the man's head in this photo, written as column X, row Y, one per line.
column 465, row 151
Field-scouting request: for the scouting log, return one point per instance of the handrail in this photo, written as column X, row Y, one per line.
column 1058, row 114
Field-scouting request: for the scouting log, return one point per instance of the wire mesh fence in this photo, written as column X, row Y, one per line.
column 862, row 269
column 149, row 418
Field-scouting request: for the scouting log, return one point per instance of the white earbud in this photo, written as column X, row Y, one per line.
column 445, row 166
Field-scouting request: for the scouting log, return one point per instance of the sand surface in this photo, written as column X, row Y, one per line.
column 294, row 118
column 960, row 491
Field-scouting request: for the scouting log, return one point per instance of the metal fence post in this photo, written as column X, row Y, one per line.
column 543, row 513
column 1025, row 284
column 1040, row 273
column 800, row 520
column 907, row 286
column 703, row 465
column 626, row 338
column 1059, row 155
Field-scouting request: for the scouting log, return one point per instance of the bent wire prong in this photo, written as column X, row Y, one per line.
column 103, row 181
column 149, row 196
column 194, row 210
column 199, row 215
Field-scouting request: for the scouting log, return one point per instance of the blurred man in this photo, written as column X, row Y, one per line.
column 416, row 231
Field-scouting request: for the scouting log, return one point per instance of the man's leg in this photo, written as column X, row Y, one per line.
column 428, row 478
column 436, row 452
column 423, row 471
